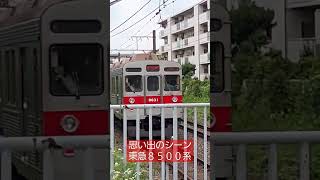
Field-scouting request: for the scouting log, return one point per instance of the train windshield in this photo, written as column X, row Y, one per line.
column 133, row 83
column 76, row 69
column 172, row 83
column 153, row 83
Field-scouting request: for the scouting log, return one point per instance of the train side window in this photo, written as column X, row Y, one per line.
column 153, row 83
column 133, row 83
column 10, row 76
column 14, row 76
column 217, row 71
column 117, row 83
column 7, row 76
column 112, row 85
column 172, row 83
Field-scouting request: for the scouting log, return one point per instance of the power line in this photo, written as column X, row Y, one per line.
column 131, row 16
column 138, row 20
column 148, row 23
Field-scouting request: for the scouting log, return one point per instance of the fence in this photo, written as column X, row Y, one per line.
column 242, row 139
column 9, row 144
column 174, row 107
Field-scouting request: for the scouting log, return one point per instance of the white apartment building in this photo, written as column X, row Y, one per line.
column 186, row 38
column 297, row 25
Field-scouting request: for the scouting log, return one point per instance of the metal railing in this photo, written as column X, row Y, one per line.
column 242, row 139
column 164, row 167
column 45, row 144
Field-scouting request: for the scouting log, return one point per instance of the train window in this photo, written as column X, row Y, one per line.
column 7, row 75
column 215, row 24
column 172, row 83
column 171, row 69
column 153, row 83
column 113, row 85
column 217, row 72
column 133, row 83
column 76, row 69
column 76, row 26
column 11, row 76
column 133, row 69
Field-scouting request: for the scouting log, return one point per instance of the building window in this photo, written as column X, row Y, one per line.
column 205, row 69
column 307, row 30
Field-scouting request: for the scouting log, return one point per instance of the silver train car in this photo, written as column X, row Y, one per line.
column 53, row 80
column 146, row 82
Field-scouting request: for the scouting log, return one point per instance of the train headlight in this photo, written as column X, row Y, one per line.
column 131, row 100
column 69, row 123
column 174, row 99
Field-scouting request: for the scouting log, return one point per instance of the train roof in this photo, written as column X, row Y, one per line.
column 121, row 64
column 25, row 11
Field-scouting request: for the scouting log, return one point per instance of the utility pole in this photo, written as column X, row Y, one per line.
column 154, row 41
column 140, row 37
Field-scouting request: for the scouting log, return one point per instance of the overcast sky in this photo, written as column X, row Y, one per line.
column 125, row 8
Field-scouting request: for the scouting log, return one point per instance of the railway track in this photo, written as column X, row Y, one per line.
column 190, row 128
column 200, row 135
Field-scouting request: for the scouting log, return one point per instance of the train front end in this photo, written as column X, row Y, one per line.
column 152, row 82
column 75, row 81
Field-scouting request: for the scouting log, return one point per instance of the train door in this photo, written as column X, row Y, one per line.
column 25, row 87
column 153, row 90
column 1, row 86
column 30, row 90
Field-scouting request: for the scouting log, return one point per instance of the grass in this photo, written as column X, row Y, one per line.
column 202, row 96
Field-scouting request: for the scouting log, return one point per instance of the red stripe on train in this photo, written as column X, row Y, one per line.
column 172, row 99
column 222, row 119
column 133, row 100
column 152, row 99
column 90, row 123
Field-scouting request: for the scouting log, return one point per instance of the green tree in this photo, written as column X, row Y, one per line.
column 188, row 70
column 250, row 25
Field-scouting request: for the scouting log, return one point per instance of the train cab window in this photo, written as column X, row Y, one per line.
column 76, row 69
column 153, row 83
column 217, row 72
column 133, row 83
column 172, row 83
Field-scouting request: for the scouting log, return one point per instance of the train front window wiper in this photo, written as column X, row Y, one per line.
column 76, row 79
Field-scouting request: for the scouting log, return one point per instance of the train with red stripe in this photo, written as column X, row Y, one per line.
column 54, row 81
column 140, row 81
column 221, row 89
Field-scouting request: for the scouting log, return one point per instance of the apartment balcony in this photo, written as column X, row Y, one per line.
column 296, row 47
column 165, row 48
column 204, row 38
column 205, row 58
column 302, row 3
column 188, row 23
column 184, row 43
column 204, row 17
column 186, row 59
column 163, row 33
column 204, row 76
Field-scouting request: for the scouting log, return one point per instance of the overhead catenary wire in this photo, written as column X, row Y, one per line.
column 137, row 22
column 131, row 16
column 189, row 42
column 149, row 22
